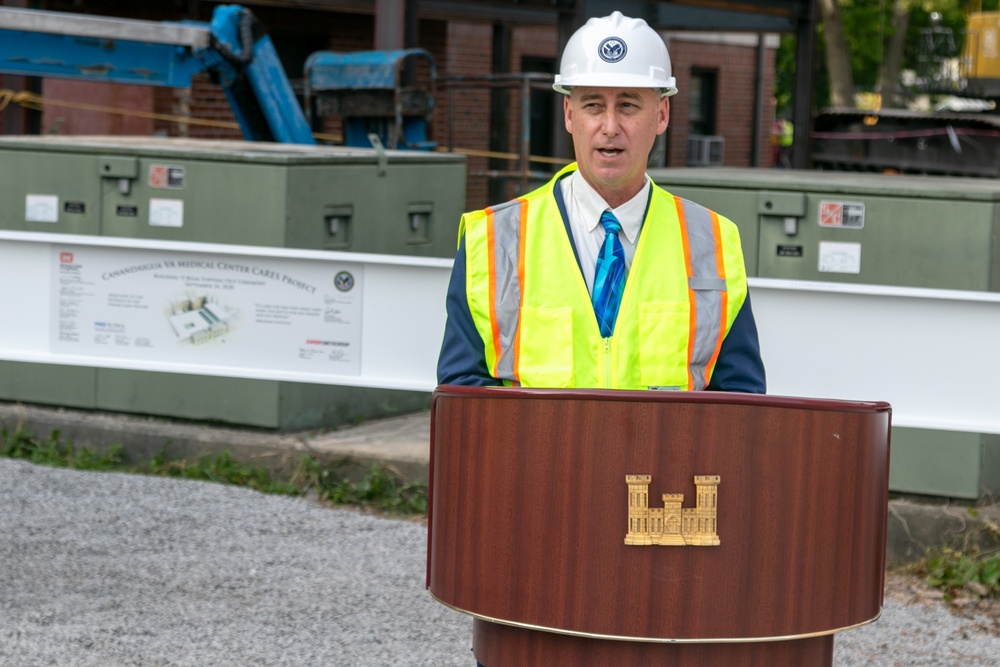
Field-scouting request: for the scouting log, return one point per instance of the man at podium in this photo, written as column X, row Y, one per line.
column 601, row 278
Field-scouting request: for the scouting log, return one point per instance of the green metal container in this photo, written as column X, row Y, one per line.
column 905, row 231
column 274, row 195
column 229, row 192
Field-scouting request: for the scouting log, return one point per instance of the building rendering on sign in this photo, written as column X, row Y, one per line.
column 672, row 525
column 197, row 319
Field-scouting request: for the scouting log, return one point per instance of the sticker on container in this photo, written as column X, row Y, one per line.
column 845, row 215
column 164, row 176
column 41, row 208
column 123, row 211
column 789, row 251
column 837, row 257
column 75, row 207
column 166, row 212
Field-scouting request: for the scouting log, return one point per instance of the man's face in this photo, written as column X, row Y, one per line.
column 613, row 131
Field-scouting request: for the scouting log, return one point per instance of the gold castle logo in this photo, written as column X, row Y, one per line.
column 673, row 525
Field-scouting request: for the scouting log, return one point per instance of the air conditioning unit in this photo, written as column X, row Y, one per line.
column 705, row 150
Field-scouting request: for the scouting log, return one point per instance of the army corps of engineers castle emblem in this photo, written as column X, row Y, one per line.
column 673, row 525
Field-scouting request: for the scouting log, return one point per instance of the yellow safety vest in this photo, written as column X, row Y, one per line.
column 787, row 134
column 531, row 305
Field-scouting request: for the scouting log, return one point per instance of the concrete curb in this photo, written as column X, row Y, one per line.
column 915, row 528
column 400, row 444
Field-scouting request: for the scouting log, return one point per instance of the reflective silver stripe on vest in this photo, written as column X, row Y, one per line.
column 707, row 285
column 507, row 247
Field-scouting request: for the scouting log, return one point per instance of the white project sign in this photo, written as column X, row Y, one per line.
column 350, row 319
column 217, row 309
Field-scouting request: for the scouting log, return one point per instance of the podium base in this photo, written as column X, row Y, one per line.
column 499, row 645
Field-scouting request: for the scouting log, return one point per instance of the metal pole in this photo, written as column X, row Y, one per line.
column 758, row 111
column 525, row 132
column 389, row 24
column 805, row 41
column 451, row 117
column 500, row 139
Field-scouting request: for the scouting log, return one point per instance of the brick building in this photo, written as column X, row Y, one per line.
column 725, row 81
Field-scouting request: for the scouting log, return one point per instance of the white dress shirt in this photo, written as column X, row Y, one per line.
column 584, row 207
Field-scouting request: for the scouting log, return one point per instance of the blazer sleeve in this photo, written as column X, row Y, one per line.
column 462, row 360
column 739, row 366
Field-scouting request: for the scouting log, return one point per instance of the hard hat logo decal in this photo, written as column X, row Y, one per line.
column 612, row 50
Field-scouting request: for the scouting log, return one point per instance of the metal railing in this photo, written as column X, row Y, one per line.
column 524, row 83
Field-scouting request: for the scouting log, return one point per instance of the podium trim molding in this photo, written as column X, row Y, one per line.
column 659, row 640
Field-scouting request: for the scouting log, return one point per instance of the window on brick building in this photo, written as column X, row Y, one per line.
column 544, row 111
column 702, row 101
column 705, row 146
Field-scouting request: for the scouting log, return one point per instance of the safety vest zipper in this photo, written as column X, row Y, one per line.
column 607, row 363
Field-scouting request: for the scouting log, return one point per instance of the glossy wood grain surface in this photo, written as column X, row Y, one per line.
column 529, row 511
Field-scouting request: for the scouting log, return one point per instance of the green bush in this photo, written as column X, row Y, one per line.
column 55, row 452
column 972, row 567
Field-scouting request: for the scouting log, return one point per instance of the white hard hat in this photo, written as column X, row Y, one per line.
column 616, row 52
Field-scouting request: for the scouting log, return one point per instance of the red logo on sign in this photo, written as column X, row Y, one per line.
column 831, row 214
column 66, row 257
column 157, row 176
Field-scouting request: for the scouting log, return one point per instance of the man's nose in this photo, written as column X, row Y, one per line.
column 609, row 125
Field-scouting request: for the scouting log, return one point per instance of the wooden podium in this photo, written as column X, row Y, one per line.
column 624, row 528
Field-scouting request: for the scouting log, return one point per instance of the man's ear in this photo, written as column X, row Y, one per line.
column 567, row 114
column 664, row 115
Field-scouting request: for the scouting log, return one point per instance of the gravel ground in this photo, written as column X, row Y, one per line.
column 108, row 570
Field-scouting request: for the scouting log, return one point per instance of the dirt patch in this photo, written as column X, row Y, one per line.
column 908, row 588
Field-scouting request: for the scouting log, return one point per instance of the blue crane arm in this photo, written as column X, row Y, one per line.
column 233, row 48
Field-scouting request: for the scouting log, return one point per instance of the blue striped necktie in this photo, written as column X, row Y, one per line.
column 609, row 275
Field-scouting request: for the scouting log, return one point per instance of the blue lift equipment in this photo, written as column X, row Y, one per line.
column 368, row 90
column 234, row 49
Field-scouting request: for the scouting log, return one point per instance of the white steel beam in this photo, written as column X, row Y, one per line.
column 933, row 354
column 99, row 27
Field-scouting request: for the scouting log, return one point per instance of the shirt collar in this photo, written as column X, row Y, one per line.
column 592, row 205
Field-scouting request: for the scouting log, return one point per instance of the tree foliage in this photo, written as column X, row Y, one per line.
column 868, row 26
